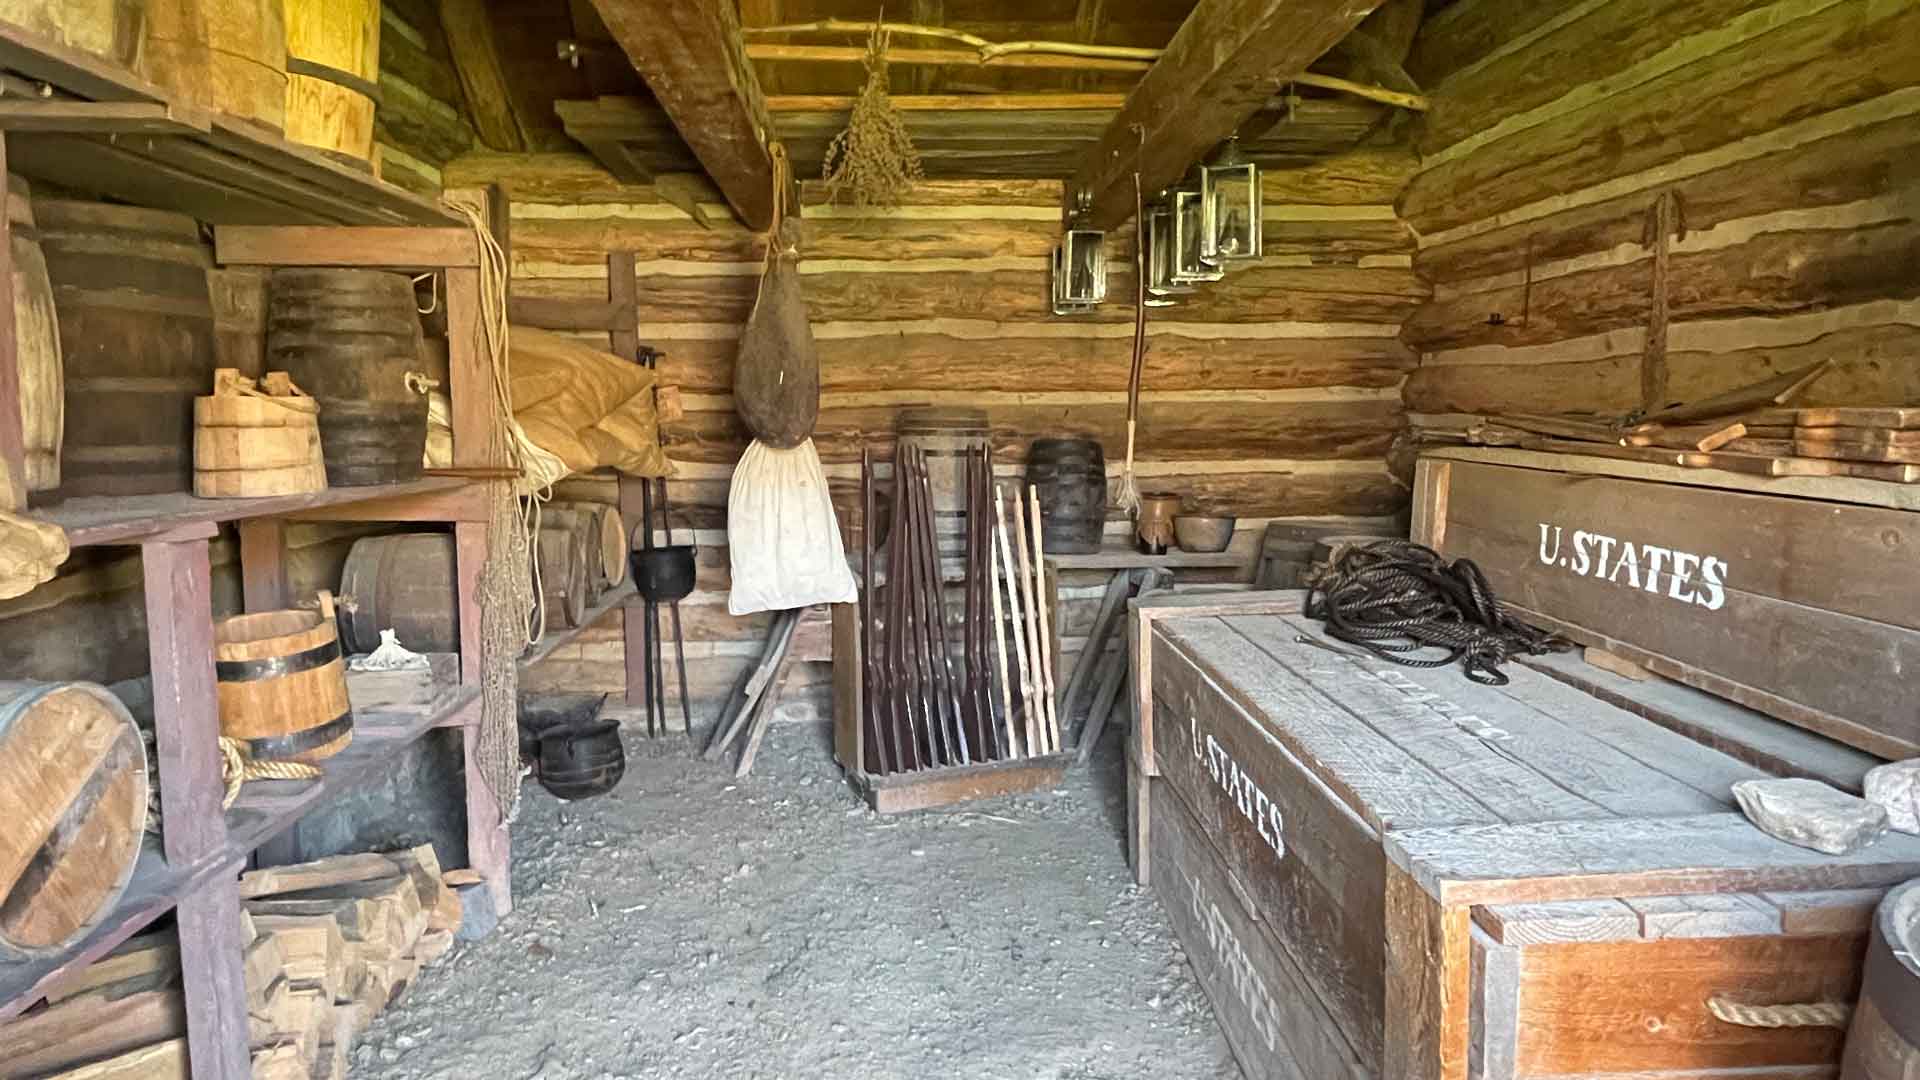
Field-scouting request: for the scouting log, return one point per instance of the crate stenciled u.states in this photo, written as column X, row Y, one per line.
column 1799, row 597
column 1389, row 872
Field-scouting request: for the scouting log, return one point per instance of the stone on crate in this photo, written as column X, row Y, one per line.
column 1896, row 788
column 1811, row 814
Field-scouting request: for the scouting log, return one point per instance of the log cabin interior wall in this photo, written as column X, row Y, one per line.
column 1784, row 133
column 1274, row 394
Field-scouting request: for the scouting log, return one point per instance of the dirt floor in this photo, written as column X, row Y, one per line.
column 692, row 926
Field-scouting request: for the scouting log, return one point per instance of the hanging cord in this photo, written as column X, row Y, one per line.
column 1394, row 598
column 1128, row 497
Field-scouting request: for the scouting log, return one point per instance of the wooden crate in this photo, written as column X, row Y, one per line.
column 1468, row 881
column 1807, row 609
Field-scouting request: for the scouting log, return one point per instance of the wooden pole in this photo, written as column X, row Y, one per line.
column 1016, row 611
column 1040, row 615
column 1037, row 711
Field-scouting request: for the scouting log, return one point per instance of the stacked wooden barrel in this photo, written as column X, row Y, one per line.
column 1071, row 475
column 333, row 75
column 229, row 56
column 36, row 342
column 407, row 583
column 73, row 780
column 109, row 29
column 136, row 342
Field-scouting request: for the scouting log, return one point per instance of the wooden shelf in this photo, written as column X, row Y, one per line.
column 1127, row 558
column 106, row 132
column 551, row 642
column 264, row 809
column 106, row 519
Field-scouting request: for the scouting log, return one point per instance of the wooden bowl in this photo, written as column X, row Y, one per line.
column 1203, row 532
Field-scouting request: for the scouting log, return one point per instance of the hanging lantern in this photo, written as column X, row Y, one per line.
column 1189, row 226
column 1160, row 253
column 1230, row 199
column 1079, row 268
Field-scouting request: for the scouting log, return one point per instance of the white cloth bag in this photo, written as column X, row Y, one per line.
column 782, row 536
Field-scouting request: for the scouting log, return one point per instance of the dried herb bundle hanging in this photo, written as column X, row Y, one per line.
column 873, row 160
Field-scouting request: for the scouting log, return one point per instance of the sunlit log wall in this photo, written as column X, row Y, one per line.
column 1788, row 132
column 1276, row 393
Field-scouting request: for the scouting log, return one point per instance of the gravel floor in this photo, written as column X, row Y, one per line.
column 689, row 925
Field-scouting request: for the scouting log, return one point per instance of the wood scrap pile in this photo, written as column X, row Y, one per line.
column 327, row 946
column 1753, row 429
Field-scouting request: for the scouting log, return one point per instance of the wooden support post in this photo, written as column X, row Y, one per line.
column 13, row 441
column 1428, row 975
column 487, row 842
column 186, row 721
column 263, row 564
column 469, row 555
column 623, row 299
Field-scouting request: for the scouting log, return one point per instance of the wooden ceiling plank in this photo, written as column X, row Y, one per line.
column 1226, row 61
column 690, row 53
column 469, row 30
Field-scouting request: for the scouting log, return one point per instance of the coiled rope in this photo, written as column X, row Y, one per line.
column 1813, row 1014
column 1396, row 599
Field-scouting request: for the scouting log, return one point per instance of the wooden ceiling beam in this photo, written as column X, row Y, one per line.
column 1227, row 60
column 689, row 51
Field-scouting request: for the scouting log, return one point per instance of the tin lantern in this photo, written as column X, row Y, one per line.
column 1160, row 256
column 1189, row 225
column 1230, row 204
column 1079, row 269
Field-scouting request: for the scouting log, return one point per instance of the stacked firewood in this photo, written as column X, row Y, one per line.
column 326, row 946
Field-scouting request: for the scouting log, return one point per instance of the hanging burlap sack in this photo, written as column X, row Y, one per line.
column 776, row 374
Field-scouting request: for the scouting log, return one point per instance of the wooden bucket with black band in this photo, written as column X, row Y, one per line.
column 1884, row 1041
column 283, row 684
column 333, row 76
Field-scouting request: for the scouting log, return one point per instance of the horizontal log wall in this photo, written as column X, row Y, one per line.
column 421, row 121
column 1273, row 394
column 1788, row 133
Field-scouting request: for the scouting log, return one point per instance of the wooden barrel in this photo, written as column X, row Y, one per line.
column 407, row 583
column 239, row 295
column 229, row 56
column 283, row 685
column 1071, row 476
column 946, row 435
column 136, row 342
column 73, row 779
column 333, row 75
column 109, row 29
column 249, row 443
column 350, row 338
column 561, row 557
column 36, row 342
column 606, row 543
column 1884, row 1041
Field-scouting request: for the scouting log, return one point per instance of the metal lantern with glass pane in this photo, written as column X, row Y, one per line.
column 1158, row 230
column 1189, row 224
column 1079, row 269
column 1230, row 200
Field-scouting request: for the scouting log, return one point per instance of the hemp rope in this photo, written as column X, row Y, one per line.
column 237, row 767
column 1813, row 1014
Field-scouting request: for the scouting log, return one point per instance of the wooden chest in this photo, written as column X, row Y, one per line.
column 1396, row 873
column 1806, row 608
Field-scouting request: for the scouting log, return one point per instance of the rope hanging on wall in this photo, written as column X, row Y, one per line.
column 873, row 161
column 1395, row 599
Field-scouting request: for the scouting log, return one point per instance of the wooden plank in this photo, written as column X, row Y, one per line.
column 133, row 519
column 13, row 447
column 1708, row 916
column 263, row 568
column 368, row 246
column 899, row 793
column 1493, row 1018
column 469, row 30
column 1898, row 419
column 1429, row 962
column 692, row 57
column 1558, row 921
column 1141, row 616
column 1269, row 1012
column 1220, row 68
column 1571, row 860
column 100, row 118
column 1828, row 911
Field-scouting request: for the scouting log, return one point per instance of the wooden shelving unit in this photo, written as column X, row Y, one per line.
column 617, row 597
column 99, row 130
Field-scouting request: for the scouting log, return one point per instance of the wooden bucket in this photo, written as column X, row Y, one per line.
column 36, row 338
column 250, row 442
column 136, row 342
column 606, row 542
column 407, row 583
column 946, row 435
column 333, row 75
column 350, row 338
column 561, row 560
column 1884, row 1041
column 73, row 779
column 229, row 56
column 283, row 685
column 109, row 29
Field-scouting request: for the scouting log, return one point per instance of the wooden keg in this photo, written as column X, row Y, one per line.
column 1884, row 1040
column 136, row 342
column 606, row 542
column 1071, row 478
column 945, row 436
column 561, row 559
column 351, row 338
column 229, row 56
column 36, row 341
column 251, row 441
column 333, row 75
column 407, row 583
column 73, row 780
column 109, row 29
column 282, row 683
column 239, row 295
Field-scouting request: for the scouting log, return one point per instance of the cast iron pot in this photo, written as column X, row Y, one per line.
column 581, row 762
column 663, row 574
